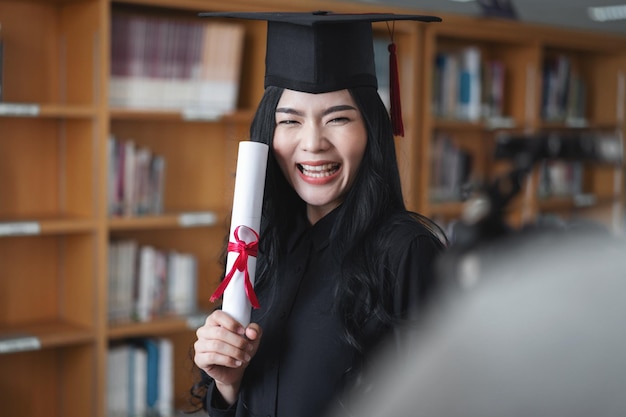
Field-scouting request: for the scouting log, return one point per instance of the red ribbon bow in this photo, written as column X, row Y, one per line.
column 241, row 264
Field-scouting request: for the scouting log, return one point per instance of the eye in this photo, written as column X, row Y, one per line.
column 339, row 120
column 287, row 122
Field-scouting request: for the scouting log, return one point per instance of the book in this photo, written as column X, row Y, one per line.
column 128, row 164
column 469, row 95
column 165, row 397
column 137, row 377
column 152, row 373
column 493, row 77
column 145, row 283
column 117, row 396
column 122, row 266
column 446, row 79
column 156, row 184
column 182, row 283
column 160, row 294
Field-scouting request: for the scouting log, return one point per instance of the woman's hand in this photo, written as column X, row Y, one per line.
column 224, row 349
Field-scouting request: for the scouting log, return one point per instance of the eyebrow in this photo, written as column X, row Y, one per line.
column 333, row 109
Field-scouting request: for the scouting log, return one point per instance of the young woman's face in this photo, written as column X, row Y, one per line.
column 319, row 143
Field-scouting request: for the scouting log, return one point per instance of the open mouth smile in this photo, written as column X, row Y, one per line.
column 318, row 171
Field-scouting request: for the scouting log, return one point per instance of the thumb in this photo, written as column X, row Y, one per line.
column 254, row 333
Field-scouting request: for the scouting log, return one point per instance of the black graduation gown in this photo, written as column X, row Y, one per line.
column 303, row 361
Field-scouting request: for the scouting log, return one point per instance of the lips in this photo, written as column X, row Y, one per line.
column 319, row 171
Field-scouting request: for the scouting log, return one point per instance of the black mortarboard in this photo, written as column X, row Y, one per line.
column 319, row 52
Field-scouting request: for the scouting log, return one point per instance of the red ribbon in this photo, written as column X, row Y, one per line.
column 241, row 264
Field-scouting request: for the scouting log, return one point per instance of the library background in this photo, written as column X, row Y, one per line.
column 119, row 125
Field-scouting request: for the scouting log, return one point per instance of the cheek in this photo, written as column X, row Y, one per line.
column 355, row 155
column 282, row 154
column 355, row 163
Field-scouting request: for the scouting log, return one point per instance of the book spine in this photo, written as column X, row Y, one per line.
column 469, row 98
column 152, row 373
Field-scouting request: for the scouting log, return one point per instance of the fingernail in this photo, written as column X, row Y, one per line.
column 238, row 363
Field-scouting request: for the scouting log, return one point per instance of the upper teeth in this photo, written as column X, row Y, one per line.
column 318, row 168
column 318, row 171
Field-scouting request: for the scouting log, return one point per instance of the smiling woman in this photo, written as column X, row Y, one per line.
column 341, row 262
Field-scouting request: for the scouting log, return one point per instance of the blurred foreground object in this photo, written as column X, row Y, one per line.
column 541, row 332
column 527, row 322
column 484, row 216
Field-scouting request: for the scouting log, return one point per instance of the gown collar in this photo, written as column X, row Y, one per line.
column 319, row 233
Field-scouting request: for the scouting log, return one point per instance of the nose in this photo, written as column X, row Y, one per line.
column 313, row 139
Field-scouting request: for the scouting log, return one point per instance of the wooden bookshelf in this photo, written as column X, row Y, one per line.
column 523, row 51
column 50, row 121
column 55, row 125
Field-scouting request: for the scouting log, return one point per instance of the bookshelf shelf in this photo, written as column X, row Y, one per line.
column 68, row 112
column 66, row 226
column 46, row 111
column 49, row 223
column 177, row 220
column 45, row 227
column 160, row 326
column 56, row 231
column 48, row 335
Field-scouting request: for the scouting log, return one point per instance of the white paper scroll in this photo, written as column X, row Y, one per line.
column 246, row 213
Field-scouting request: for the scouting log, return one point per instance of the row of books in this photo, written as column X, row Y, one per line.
column 146, row 282
column 564, row 92
column 160, row 62
column 140, row 378
column 466, row 87
column 560, row 179
column 451, row 177
column 451, row 169
column 136, row 179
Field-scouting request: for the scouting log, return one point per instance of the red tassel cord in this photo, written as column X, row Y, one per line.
column 394, row 92
column 241, row 264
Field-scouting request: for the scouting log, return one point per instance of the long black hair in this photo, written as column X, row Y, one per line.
column 360, row 232
column 357, row 234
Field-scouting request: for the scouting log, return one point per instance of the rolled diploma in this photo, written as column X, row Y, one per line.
column 246, row 211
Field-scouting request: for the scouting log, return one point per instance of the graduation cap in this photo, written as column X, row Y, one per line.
column 320, row 52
